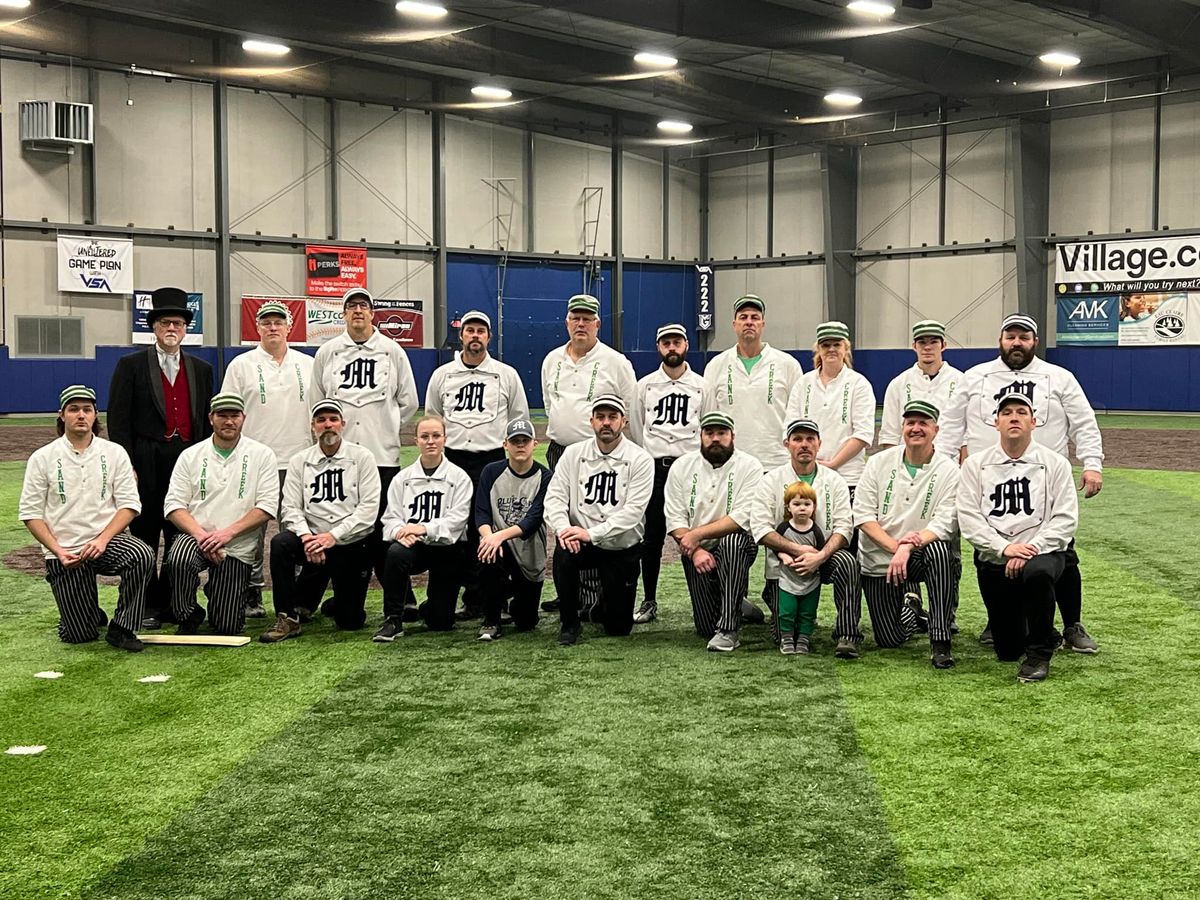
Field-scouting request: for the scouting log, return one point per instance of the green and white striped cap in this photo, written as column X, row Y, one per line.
column 584, row 303
column 612, row 401
column 921, row 408
column 273, row 308
column 1019, row 322
column 828, row 331
column 672, row 330
column 327, row 404
column 929, row 328
column 227, row 400
column 801, row 425
column 76, row 392
column 716, row 420
column 749, row 300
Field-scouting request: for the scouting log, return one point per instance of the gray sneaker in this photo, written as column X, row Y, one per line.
column 803, row 644
column 489, row 633
column 787, row 645
column 985, row 637
column 724, row 642
column 648, row 612
column 1075, row 637
column 846, row 649
column 254, row 604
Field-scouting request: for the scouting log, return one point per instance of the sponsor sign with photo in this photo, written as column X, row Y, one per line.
column 144, row 334
column 331, row 271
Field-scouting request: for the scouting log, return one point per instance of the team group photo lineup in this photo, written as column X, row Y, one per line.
column 758, row 455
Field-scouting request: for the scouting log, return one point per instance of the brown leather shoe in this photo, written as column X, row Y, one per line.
column 283, row 629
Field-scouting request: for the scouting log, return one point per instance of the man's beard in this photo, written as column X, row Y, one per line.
column 329, row 438
column 716, row 454
column 672, row 360
column 1008, row 357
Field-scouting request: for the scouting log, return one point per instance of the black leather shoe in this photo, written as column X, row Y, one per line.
column 123, row 639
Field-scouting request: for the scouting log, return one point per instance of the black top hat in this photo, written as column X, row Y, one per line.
column 169, row 301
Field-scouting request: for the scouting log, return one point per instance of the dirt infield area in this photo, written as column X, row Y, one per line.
column 1131, row 448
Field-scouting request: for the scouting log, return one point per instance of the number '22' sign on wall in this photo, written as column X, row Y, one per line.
column 706, row 281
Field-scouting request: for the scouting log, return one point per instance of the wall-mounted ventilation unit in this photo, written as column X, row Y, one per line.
column 55, row 125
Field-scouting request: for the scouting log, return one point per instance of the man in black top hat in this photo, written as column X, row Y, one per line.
column 157, row 408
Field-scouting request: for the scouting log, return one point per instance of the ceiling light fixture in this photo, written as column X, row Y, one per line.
column 421, row 9
column 266, row 48
column 1062, row 59
column 871, row 7
column 674, row 126
column 658, row 60
column 490, row 92
column 842, row 98
column 15, row 4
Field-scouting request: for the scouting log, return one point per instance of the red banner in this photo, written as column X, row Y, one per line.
column 401, row 320
column 331, row 271
column 297, row 308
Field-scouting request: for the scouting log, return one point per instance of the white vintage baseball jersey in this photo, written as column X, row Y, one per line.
column 218, row 490
column 278, row 397
column 913, row 384
column 569, row 387
column 476, row 403
column 605, row 493
column 699, row 494
column 901, row 503
column 833, row 515
column 77, row 492
column 374, row 382
column 665, row 417
column 338, row 493
column 757, row 401
column 1059, row 405
column 844, row 409
column 1028, row 500
column 441, row 502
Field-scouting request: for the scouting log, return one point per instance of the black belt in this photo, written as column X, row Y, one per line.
column 665, row 462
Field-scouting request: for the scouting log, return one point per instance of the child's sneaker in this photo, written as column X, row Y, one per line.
column 787, row 645
column 803, row 644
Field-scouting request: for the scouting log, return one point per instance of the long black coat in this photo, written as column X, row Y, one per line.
column 137, row 412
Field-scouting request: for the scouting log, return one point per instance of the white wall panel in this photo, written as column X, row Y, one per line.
column 737, row 211
column 898, row 194
column 154, row 159
column 278, row 153
column 979, row 192
column 1180, row 173
column 641, row 206
column 1101, row 172
column 799, row 205
column 39, row 184
column 795, row 298
column 477, row 211
column 31, row 286
column 684, row 225
column 384, row 174
column 561, row 171
column 971, row 294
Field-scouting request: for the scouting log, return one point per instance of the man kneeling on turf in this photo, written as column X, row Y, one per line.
column 512, row 531
column 708, row 496
column 222, row 492
column 596, row 506
column 908, row 532
column 79, row 496
column 330, row 503
column 1017, row 506
column 425, row 523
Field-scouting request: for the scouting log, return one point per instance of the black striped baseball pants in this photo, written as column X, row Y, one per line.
column 842, row 571
column 227, row 583
column 717, row 596
column 75, row 592
column 894, row 623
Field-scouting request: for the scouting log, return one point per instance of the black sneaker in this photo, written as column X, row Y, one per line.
column 505, row 619
column 254, row 604
column 1033, row 670
column 193, row 622
column 751, row 614
column 1075, row 637
column 151, row 622
column 411, row 613
column 389, row 631
column 647, row 612
column 303, row 615
column 985, row 637
column 568, row 636
column 328, row 605
column 550, row 605
column 123, row 639
column 489, row 633
column 467, row 613
column 939, row 655
column 101, row 617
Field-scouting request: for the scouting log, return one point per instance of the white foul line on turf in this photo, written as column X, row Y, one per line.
column 50, row 674
column 25, row 751
column 154, row 679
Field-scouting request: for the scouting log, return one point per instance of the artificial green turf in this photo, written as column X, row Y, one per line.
column 439, row 767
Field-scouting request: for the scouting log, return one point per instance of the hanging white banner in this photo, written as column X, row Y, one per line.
column 91, row 265
column 1119, row 266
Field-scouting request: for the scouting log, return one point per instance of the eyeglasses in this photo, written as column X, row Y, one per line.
column 357, row 304
column 171, row 323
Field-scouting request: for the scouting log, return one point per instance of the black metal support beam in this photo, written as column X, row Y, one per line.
column 666, row 204
column 839, row 182
column 616, row 291
column 529, row 191
column 1031, row 184
column 770, row 201
column 221, row 208
column 90, row 213
column 440, row 301
column 331, row 183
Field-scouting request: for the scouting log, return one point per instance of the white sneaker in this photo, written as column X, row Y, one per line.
column 724, row 642
column 647, row 613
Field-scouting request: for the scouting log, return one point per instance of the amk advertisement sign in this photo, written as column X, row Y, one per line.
column 1134, row 293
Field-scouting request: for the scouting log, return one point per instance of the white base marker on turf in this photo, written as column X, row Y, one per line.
column 25, row 751
column 50, row 674
column 154, row 679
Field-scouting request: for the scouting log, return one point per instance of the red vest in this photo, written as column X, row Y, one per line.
column 178, row 402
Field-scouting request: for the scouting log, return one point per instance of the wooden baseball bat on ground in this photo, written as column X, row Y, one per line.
column 197, row 640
